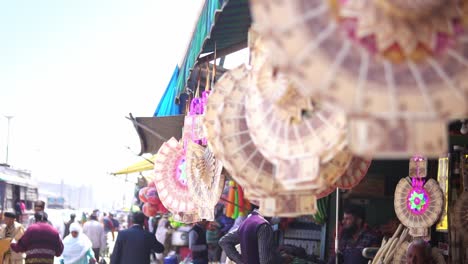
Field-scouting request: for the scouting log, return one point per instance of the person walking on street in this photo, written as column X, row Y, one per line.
column 78, row 249
column 67, row 225
column 115, row 222
column 95, row 232
column 14, row 230
column 135, row 245
column 109, row 226
column 256, row 239
column 41, row 242
column 39, row 206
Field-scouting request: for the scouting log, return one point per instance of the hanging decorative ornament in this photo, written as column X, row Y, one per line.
column 355, row 172
column 239, row 154
column 396, row 138
column 152, row 196
column 204, row 179
column 381, row 61
column 215, row 105
column 418, row 167
column 418, row 199
column 193, row 122
column 418, row 205
column 288, row 205
column 142, row 194
column 293, row 127
column 150, row 210
column 329, row 173
column 271, row 83
column 171, row 181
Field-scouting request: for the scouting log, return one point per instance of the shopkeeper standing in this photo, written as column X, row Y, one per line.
column 256, row 239
column 354, row 237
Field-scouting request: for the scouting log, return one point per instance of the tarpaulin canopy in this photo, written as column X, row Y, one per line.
column 140, row 166
column 167, row 106
column 154, row 131
column 222, row 26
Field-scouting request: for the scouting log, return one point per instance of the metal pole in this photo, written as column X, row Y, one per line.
column 337, row 223
column 8, row 137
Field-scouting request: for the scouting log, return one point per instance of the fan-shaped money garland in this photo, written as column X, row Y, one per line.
column 271, row 83
column 359, row 54
column 171, row 182
column 355, row 172
column 293, row 127
column 233, row 145
column 417, row 205
column 385, row 70
column 204, row 179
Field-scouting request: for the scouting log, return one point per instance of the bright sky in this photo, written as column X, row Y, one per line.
column 70, row 71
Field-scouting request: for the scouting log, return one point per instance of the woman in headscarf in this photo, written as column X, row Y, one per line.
column 77, row 247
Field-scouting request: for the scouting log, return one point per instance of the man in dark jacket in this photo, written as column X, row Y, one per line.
column 135, row 245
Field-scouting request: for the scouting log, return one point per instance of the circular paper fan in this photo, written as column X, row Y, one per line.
column 460, row 215
column 272, row 84
column 212, row 124
column 329, row 173
column 170, row 178
column 292, row 127
column 215, row 105
column 204, row 179
column 355, row 172
column 418, row 207
column 333, row 170
column 400, row 254
column 397, row 138
column 380, row 58
column 245, row 162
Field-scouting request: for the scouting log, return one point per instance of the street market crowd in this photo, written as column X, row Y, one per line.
column 248, row 239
